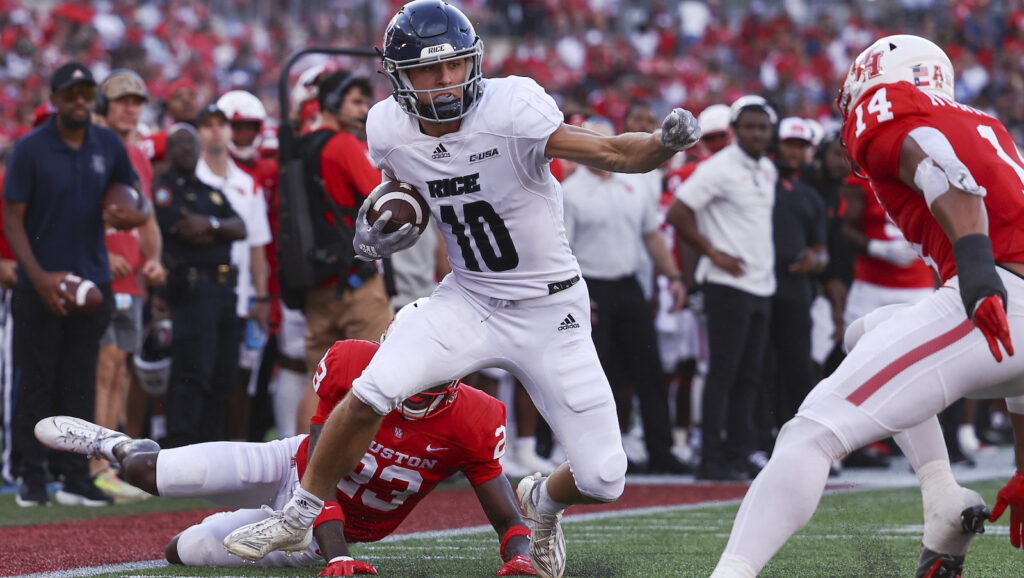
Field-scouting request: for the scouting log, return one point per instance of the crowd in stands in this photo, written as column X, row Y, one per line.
column 598, row 57
column 601, row 54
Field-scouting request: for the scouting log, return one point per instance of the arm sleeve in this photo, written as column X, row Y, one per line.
column 20, row 177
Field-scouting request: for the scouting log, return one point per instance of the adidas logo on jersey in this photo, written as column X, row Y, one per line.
column 440, row 152
column 568, row 323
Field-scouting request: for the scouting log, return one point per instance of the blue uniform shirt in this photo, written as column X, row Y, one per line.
column 63, row 189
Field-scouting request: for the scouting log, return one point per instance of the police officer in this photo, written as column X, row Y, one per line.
column 198, row 226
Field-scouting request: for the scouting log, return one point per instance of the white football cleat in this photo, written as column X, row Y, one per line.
column 547, row 543
column 72, row 434
column 254, row 541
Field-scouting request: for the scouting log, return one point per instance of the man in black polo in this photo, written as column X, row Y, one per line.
column 198, row 227
column 54, row 221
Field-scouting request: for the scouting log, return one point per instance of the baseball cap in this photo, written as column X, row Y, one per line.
column 713, row 119
column 182, row 83
column 69, row 75
column 208, row 110
column 42, row 113
column 795, row 127
column 600, row 125
column 124, row 83
column 751, row 101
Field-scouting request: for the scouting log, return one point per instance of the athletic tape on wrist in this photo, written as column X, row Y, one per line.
column 341, row 559
column 512, row 533
column 976, row 269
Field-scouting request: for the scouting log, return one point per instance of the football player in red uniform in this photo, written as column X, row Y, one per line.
column 444, row 430
column 950, row 177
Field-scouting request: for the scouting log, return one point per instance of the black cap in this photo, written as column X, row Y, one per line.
column 69, row 75
column 208, row 110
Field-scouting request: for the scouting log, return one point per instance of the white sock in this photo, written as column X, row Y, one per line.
column 730, row 566
column 923, row 443
column 290, row 387
column 545, row 503
column 943, row 500
column 301, row 511
column 158, row 427
column 526, row 444
column 107, row 446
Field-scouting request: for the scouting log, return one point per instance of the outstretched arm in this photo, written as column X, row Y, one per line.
column 631, row 152
column 500, row 506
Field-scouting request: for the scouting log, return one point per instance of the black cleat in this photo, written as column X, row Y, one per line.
column 931, row 564
column 973, row 519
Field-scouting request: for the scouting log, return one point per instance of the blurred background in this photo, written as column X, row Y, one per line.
column 596, row 54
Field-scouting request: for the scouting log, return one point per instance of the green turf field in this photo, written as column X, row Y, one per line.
column 874, row 533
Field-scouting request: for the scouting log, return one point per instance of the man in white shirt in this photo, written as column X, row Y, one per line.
column 610, row 222
column 725, row 212
column 217, row 170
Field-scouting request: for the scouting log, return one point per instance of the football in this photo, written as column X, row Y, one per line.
column 404, row 202
column 86, row 295
column 127, row 198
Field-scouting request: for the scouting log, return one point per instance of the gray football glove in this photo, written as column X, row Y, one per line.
column 371, row 242
column 679, row 130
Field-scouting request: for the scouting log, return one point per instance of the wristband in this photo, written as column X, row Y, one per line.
column 976, row 269
column 340, row 559
column 512, row 533
column 331, row 511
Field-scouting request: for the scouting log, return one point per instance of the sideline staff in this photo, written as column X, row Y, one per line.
column 198, row 226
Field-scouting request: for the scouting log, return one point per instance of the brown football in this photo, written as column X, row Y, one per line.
column 128, row 198
column 85, row 295
column 404, row 202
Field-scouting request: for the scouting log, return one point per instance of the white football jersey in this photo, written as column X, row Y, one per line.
column 488, row 185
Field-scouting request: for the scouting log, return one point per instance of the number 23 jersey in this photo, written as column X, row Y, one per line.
column 488, row 186
column 874, row 132
column 407, row 458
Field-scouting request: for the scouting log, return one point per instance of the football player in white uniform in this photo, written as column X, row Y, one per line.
column 478, row 151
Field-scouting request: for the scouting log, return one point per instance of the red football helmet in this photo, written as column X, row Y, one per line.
column 430, row 401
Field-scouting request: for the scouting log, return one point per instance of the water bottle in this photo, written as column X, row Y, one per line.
column 254, row 336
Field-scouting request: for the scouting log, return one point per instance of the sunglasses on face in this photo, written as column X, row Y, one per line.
column 84, row 91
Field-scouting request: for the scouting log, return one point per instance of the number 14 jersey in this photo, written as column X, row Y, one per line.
column 874, row 133
column 488, row 185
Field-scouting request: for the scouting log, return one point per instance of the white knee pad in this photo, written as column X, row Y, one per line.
column 606, row 482
column 810, row 438
column 200, row 545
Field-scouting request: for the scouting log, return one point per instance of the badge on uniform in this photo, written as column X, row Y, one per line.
column 398, row 432
column 216, row 198
column 163, row 197
column 98, row 165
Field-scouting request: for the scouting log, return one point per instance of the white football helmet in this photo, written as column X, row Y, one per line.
column 902, row 57
column 432, row 400
column 239, row 105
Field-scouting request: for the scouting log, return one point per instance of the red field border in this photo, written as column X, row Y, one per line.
column 119, row 540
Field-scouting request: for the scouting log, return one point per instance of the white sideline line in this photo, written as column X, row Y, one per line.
column 993, row 464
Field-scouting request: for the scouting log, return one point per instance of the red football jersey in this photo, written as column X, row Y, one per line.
column 876, row 224
column 874, row 132
column 154, row 145
column 407, row 458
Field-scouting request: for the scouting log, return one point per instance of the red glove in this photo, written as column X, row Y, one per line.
column 518, row 566
column 346, row 566
column 990, row 318
column 1012, row 495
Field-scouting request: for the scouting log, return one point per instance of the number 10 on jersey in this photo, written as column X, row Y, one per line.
column 489, row 233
